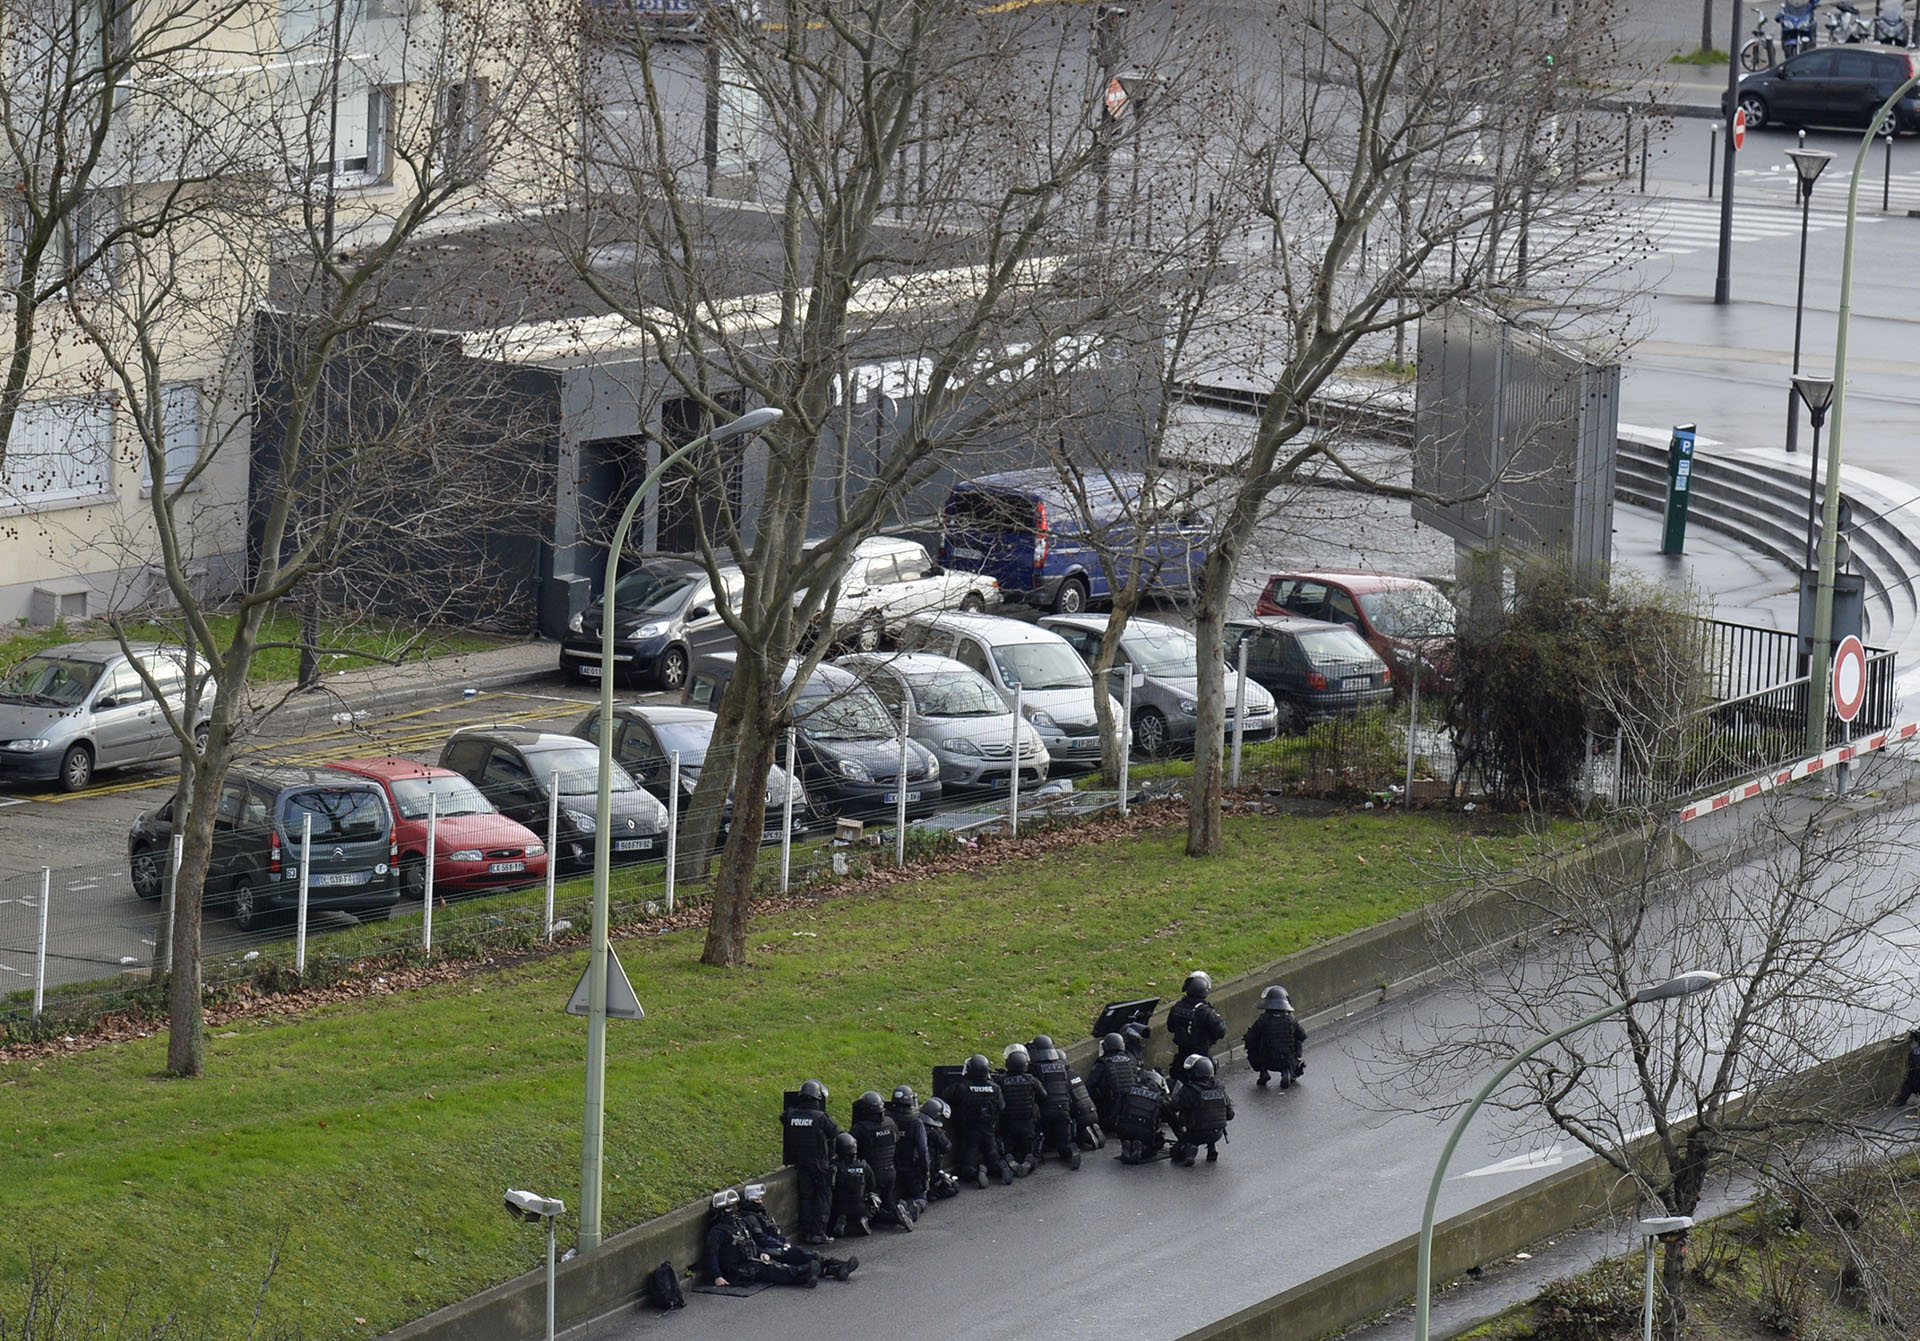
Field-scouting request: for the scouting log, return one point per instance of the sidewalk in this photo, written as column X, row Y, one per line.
column 378, row 688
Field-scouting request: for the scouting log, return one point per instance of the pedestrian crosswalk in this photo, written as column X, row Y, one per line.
column 1677, row 227
column 1900, row 190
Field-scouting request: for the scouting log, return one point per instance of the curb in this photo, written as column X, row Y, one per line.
column 439, row 677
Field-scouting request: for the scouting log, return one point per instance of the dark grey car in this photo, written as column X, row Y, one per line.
column 665, row 617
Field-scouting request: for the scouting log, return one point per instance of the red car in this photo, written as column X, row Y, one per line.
column 475, row 846
column 1400, row 617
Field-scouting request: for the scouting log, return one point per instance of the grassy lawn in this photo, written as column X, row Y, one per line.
column 378, row 1134
column 370, row 640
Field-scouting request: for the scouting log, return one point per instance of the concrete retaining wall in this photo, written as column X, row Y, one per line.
column 1326, row 981
column 1370, row 1285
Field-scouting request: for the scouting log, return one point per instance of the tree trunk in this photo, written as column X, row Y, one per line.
column 1673, row 1280
column 1706, row 28
column 755, row 687
column 700, row 820
column 1125, row 602
column 1206, row 836
column 186, row 1035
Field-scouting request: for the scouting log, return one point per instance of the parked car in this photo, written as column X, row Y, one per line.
column 257, row 826
column 645, row 737
column 475, row 847
column 957, row 714
column 849, row 747
column 665, row 616
column 1830, row 86
column 1315, row 670
column 1405, row 621
column 517, row 769
column 1029, row 533
column 1056, row 686
column 70, row 711
column 1165, row 662
column 888, row 579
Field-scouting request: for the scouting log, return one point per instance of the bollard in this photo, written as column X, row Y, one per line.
column 40, row 952
column 1886, row 176
column 300, row 913
column 1413, row 727
column 1239, row 711
column 426, row 884
column 553, row 857
column 1013, row 776
column 786, row 817
column 673, row 821
column 1126, row 736
column 1645, row 133
column 900, row 789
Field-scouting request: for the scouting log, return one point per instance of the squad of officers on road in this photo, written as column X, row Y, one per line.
column 898, row 1154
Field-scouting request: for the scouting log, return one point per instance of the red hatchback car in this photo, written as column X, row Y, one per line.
column 475, row 846
column 1400, row 617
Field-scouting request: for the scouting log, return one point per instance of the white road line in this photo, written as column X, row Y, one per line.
column 1533, row 1159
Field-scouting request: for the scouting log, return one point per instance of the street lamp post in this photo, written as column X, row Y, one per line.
column 1808, row 164
column 1650, row 1230
column 1817, row 392
column 1821, row 662
column 593, row 1124
column 1686, row 984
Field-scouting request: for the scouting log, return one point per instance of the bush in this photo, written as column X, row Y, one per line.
column 1592, row 1306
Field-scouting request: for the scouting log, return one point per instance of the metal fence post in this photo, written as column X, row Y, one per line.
column 168, row 899
column 673, row 821
column 300, row 913
column 1239, row 709
column 1126, row 735
column 900, row 789
column 426, row 886
column 1413, row 726
column 40, row 951
column 1713, row 154
column 786, row 817
column 1013, row 784
column 553, row 857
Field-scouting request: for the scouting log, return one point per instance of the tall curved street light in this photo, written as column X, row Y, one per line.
column 593, row 1126
column 1820, row 664
column 1686, row 984
column 1808, row 164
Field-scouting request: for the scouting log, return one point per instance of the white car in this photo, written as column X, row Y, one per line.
column 888, row 580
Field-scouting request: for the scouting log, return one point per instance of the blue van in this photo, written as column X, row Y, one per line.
column 1025, row 529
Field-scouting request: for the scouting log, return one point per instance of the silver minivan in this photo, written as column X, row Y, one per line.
column 69, row 711
column 958, row 714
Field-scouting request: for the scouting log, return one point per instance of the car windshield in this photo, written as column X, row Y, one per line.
column 1169, row 652
column 579, row 771
column 54, row 681
column 1338, row 644
column 339, row 816
column 649, row 593
column 855, row 714
column 955, row 693
column 1409, row 612
column 690, row 738
column 456, row 796
column 1041, row 666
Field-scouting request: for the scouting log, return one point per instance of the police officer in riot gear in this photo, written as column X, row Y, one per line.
column 877, row 1137
column 773, row 1241
column 854, row 1201
column 934, row 1114
column 1020, row 1121
column 1135, row 1035
column 807, row 1140
column 977, row 1103
column 1056, row 1099
column 1200, row 1114
column 733, row 1258
column 1113, row 1073
column 1139, row 1117
column 1275, row 1039
column 1194, row 1024
column 911, row 1157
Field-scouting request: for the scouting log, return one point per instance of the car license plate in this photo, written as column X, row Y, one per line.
column 632, row 844
column 1357, row 682
column 962, row 552
column 1085, row 742
column 893, row 798
column 590, row 669
column 769, row 835
column 334, row 878
column 505, row 867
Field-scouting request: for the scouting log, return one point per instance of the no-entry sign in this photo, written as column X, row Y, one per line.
column 1739, row 127
column 1849, row 678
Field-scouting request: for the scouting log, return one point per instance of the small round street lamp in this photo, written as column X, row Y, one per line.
column 1650, row 1229
column 1808, row 164
column 1817, row 392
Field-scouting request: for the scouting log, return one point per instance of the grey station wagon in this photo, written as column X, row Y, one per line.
column 72, row 710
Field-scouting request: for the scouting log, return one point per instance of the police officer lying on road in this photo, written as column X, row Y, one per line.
column 733, row 1258
column 773, row 1242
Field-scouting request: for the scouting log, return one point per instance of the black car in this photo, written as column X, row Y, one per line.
column 645, row 737
column 1314, row 670
column 664, row 616
column 518, row 769
column 1830, row 86
column 258, row 825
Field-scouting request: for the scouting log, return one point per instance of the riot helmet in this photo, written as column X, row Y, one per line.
column 1016, row 1060
column 754, row 1193
column 1112, row 1045
column 845, row 1146
column 725, row 1199
column 1275, row 999
column 1155, row 1079
column 978, row 1068
column 904, row 1097
column 1200, row 1070
column 1042, row 1048
column 1198, row 984
column 1135, row 1035
column 936, row 1112
column 815, row 1092
column 869, row 1106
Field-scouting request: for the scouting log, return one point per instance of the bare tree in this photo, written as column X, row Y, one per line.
column 1403, row 156
column 941, row 298
column 1809, row 920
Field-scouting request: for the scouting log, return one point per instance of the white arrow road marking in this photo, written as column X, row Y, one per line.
column 1533, row 1159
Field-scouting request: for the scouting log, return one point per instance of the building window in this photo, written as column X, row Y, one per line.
column 81, row 240
column 61, row 448
column 464, row 108
column 180, row 429
column 360, row 129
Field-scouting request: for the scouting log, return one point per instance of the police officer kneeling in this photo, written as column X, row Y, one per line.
column 1139, row 1116
column 1201, row 1112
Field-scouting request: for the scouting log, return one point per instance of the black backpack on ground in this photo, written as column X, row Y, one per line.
column 663, row 1288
